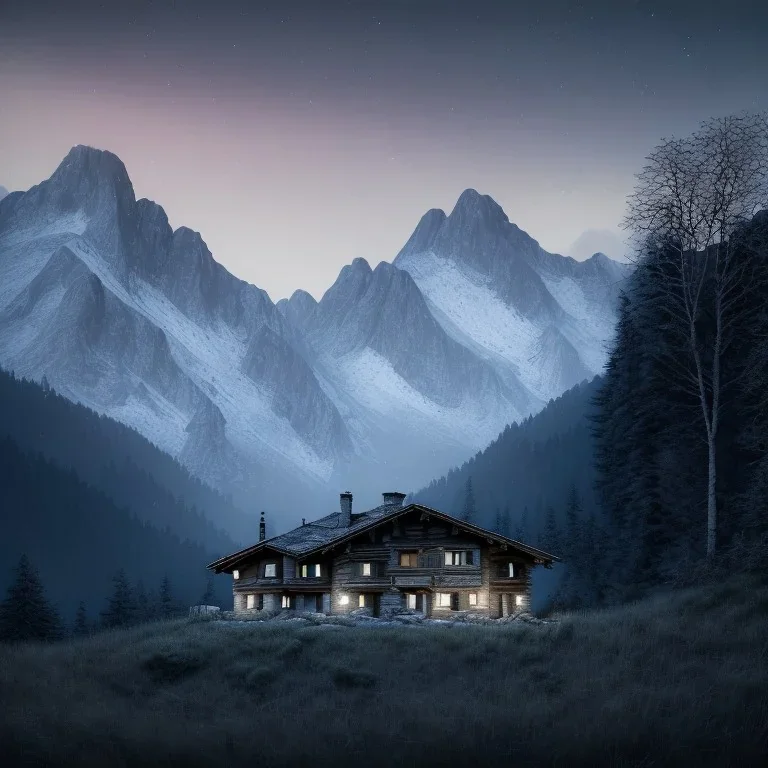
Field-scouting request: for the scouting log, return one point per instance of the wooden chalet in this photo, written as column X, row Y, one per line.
column 382, row 560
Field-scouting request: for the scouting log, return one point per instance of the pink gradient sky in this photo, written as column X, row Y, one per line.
column 289, row 176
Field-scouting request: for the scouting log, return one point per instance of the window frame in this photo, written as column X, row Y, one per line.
column 250, row 602
column 413, row 558
column 472, row 599
column 361, row 600
column 236, row 574
column 267, row 566
column 363, row 567
column 464, row 556
column 286, row 602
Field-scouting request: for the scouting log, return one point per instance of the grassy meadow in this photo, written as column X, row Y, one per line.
column 678, row 679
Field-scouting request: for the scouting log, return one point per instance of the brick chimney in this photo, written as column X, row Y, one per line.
column 393, row 498
column 345, row 501
column 262, row 528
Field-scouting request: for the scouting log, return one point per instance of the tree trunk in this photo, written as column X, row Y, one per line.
column 711, row 499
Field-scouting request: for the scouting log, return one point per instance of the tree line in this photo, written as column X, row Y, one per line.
column 681, row 425
column 656, row 473
column 75, row 535
column 27, row 614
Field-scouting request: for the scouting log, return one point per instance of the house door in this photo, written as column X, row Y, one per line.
column 376, row 605
column 319, row 602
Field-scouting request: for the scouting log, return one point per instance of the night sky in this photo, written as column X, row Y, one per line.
column 296, row 136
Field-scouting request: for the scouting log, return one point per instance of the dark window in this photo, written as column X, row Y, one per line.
column 260, row 602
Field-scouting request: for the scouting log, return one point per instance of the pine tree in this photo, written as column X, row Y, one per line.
column 469, row 511
column 167, row 607
column 522, row 532
column 209, row 596
column 121, row 609
column 26, row 614
column 81, row 627
column 549, row 538
column 573, row 524
column 497, row 525
column 143, row 608
column 506, row 523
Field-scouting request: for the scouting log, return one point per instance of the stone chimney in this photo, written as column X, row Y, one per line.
column 393, row 498
column 345, row 501
column 262, row 528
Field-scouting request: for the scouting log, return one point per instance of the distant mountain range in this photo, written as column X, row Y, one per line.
column 396, row 374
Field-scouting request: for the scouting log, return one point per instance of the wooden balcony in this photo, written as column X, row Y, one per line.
column 308, row 581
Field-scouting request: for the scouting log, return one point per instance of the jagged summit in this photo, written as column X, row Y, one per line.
column 411, row 365
column 472, row 203
column 85, row 168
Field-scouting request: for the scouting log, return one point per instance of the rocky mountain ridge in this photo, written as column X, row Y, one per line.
column 395, row 374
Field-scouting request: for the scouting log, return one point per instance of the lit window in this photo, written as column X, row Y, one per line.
column 304, row 571
column 519, row 600
column 286, row 601
column 270, row 570
column 462, row 557
column 317, row 570
column 411, row 601
column 444, row 599
column 366, row 569
column 344, row 600
column 361, row 601
column 250, row 602
column 408, row 559
column 473, row 598
column 235, row 575
column 511, row 573
column 310, row 570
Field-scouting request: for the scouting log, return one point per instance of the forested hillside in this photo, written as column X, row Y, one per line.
column 79, row 539
column 682, row 427
column 121, row 463
column 525, row 477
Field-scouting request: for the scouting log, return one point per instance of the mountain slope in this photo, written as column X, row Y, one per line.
column 397, row 373
column 139, row 322
column 79, row 538
column 529, row 465
column 540, row 319
column 119, row 462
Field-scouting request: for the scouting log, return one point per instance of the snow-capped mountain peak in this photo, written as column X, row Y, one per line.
column 398, row 372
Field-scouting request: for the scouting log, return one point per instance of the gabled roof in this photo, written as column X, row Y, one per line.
column 321, row 535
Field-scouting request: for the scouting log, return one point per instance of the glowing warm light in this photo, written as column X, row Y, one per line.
column 235, row 575
column 344, row 600
column 519, row 600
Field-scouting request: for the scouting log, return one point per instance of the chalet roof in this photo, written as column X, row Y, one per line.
column 326, row 532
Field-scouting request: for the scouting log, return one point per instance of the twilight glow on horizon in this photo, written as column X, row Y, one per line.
column 297, row 135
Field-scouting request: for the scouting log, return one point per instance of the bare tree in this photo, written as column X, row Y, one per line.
column 689, row 201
